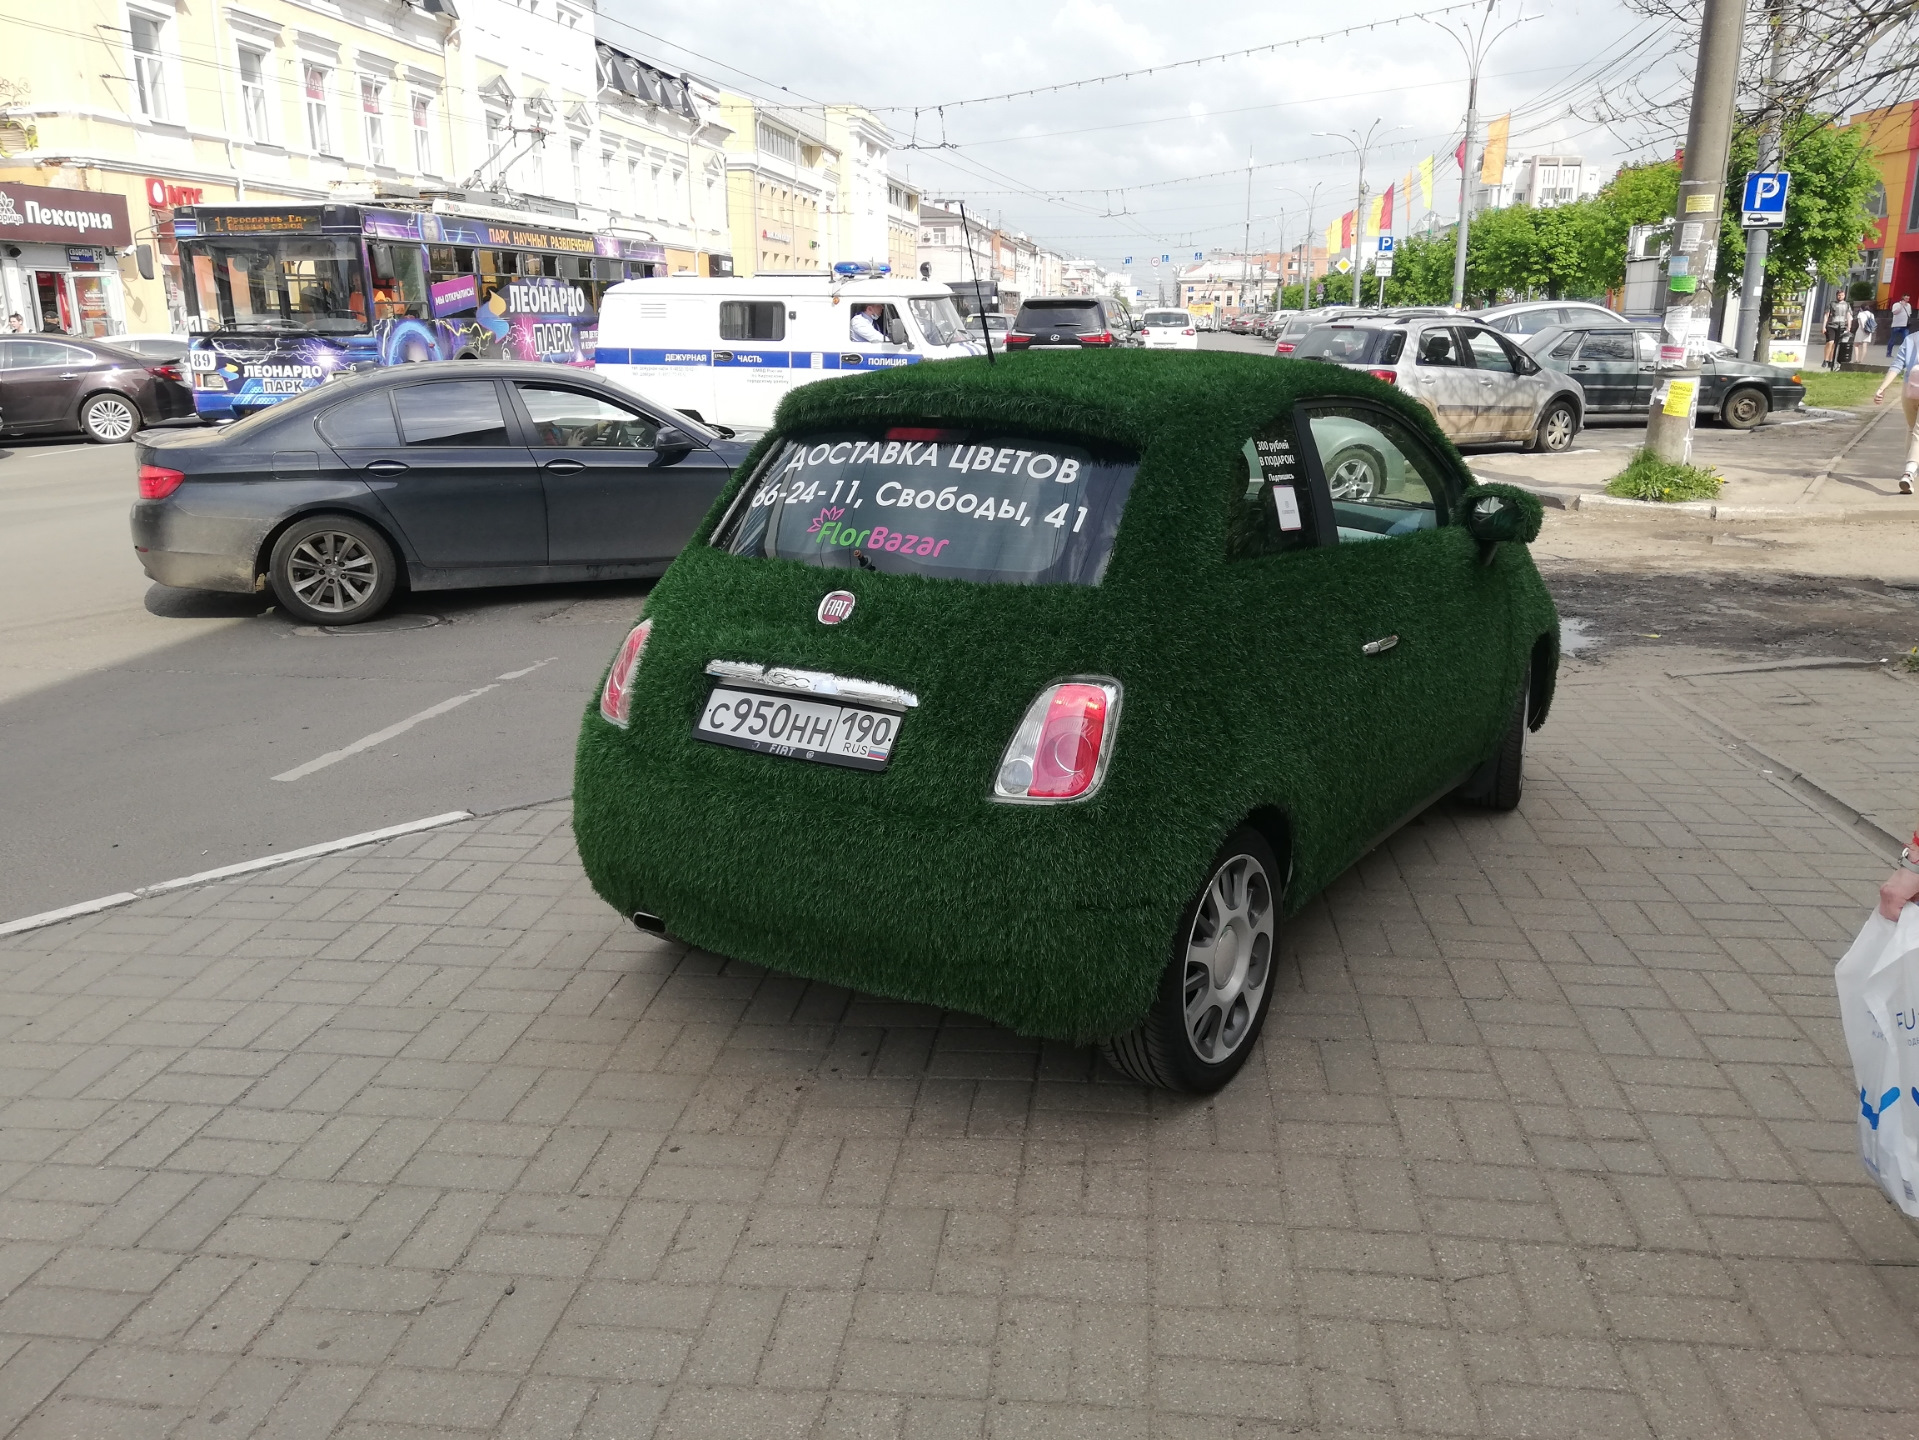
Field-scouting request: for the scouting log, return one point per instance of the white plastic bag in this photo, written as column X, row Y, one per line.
column 1878, row 980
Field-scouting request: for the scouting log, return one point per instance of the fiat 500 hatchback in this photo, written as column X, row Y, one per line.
column 1048, row 691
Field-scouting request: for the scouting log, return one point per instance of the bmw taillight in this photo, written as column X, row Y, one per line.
column 157, row 482
column 1389, row 376
column 1063, row 743
column 616, row 696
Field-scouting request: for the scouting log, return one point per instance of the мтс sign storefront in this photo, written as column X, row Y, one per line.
column 43, row 213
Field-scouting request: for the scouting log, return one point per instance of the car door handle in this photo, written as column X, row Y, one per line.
column 1578, row 368
column 71, row 375
column 387, row 467
column 563, row 467
column 1380, row 646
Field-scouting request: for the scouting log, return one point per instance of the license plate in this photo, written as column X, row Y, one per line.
column 830, row 733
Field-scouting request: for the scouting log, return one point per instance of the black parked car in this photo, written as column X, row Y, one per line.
column 59, row 384
column 1069, row 321
column 1618, row 368
column 433, row 476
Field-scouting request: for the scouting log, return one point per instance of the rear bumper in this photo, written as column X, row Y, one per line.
column 196, row 551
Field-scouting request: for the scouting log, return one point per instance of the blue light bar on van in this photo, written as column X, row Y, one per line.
column 849, row 268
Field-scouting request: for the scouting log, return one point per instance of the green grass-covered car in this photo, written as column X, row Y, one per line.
column 1047, row 689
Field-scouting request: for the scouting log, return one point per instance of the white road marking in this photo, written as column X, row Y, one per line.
column 380, row 737
column 400, row 727
column 226, row 872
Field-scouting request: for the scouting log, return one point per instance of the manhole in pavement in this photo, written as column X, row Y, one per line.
column 385, row 625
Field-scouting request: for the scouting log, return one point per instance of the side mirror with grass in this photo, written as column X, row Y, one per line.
column 1496, row 514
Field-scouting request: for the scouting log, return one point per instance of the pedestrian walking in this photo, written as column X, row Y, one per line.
column 1864, row 322
column 1897, row 321
column 1902, row 886
column 1903, row 366
column 1838, row 328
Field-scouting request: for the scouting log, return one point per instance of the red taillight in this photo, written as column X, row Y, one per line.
column 156, row 482
column 1186, row 332
column 1389, row 376
column 1284, row 347
column 1015, row 342
column 1063, row 743
column 165, row 372
column 616, row 696
column 1103, row 338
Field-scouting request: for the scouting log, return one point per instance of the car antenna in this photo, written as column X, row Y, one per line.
column 979, row 295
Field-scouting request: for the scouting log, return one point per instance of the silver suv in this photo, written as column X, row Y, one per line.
column 1478, row 385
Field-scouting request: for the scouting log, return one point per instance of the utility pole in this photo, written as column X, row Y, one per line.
column 1752, row 285
column 1246, row 245
column 1360, row 144
column 1696, row 215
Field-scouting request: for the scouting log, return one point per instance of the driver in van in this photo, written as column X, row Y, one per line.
column 869, row 324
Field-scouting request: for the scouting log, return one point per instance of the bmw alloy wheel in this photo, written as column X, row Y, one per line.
column 1229, row 958
column 332, row 571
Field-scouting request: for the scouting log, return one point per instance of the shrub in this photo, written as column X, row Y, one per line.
column 1648, row 477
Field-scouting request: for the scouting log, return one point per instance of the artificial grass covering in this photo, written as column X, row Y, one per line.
column 1246, row 694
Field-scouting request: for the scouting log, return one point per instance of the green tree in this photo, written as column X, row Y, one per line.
column 1422, row 271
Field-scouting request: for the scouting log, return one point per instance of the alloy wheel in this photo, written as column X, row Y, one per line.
column 110, row 419
column 1229, row 958
column 1353, row 479
column 332, row 571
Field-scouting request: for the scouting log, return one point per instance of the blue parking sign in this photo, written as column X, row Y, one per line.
column 1385, row 244
column 1764, row 203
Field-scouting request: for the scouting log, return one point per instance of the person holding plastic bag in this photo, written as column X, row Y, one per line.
column 1878, row 984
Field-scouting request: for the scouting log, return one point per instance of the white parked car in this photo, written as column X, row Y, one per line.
column 1529, row 317
column 1169, row 330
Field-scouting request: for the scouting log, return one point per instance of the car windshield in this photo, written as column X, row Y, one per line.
column 939, row 321
column 273, row 283
column 1173, row 319
column 1075, row 317
column 977, row 505
column 1351, row 345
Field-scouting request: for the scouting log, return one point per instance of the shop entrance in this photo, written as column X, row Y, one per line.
column 71, row 303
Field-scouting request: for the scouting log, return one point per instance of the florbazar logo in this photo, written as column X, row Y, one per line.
column 837, row 606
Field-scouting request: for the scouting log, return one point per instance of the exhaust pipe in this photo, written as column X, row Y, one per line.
column 652, row 924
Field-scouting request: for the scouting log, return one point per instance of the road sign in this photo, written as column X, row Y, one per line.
column 1385, row 244
column 1129, row 260
column 1199, row 254
column 1163, row 258
column 1383, row 266
column 1343, row 265
column 1764, row 206
column 1155, row 261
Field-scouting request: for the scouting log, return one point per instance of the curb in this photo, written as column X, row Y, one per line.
column 1705, row 509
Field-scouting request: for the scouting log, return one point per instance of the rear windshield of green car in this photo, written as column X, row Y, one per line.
column 956, row 504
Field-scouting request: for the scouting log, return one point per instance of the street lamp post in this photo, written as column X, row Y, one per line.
column 1473, row 44
column 1360, row 146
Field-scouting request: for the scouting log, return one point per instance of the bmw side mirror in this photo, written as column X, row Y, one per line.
column 1496, row 514
column 671, row 446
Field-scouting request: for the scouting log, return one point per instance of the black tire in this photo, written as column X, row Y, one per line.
column 109, row 418
column 1498, row 783
column 332, row 570
column 1356, row 473
column 1744, row 409
column 1162, row 1050
column 1558, row 427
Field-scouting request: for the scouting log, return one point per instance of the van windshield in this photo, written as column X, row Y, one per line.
column 938, row 320
column 955, row 504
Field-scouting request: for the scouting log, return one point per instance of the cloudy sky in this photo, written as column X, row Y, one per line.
column 1084, row 169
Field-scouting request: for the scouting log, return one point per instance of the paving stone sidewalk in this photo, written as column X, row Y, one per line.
column 1550, row 1134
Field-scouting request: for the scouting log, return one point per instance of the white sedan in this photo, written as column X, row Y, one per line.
column 1169, row 330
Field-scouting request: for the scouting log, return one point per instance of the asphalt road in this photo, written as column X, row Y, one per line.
column 141, row 727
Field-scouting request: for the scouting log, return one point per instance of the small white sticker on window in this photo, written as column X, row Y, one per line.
column 1287, row 500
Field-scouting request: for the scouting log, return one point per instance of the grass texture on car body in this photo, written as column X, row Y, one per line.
column 1246, row 695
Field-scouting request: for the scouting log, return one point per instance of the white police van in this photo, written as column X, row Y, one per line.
column 726, row 349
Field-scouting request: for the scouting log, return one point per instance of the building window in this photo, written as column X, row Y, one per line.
column 253, row 93
column 373, row 119
column 633, row 186
column 779, row 144
column 576, row 156
column 149, row 65
column 423, row 133
column 495, row 142
column 319, row 122
column 678, row 206
column 609, row 172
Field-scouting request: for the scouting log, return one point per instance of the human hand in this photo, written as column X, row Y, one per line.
column 1900, row 890
column 1879, row 397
